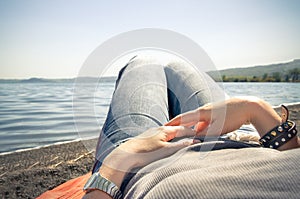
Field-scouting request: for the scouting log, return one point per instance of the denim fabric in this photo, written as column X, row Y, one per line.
column 148, row 93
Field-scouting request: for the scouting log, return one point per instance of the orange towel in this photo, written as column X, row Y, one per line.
column 70, row 189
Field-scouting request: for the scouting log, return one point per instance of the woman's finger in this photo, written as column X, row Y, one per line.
column 200, row 126
column 211, row 130
column 181, row 124
column 178, row 131
column 189, row 118
column 185, row 119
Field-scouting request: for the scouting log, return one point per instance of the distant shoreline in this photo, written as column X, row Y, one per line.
column 237, row 79
column 280, row 72
column 61, row 80
column 277, row 72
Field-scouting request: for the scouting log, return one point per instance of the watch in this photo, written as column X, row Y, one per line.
column 97, row 182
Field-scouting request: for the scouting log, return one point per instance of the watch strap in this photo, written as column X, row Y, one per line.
column 97, row 182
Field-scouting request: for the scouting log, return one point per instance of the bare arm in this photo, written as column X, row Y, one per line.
column 227, row 116
column 265, row 118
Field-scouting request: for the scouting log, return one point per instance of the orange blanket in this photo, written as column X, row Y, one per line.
column 70, row 189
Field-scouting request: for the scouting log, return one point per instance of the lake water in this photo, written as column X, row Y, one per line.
column 38, row 114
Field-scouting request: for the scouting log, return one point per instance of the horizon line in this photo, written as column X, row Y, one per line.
column 56, row 78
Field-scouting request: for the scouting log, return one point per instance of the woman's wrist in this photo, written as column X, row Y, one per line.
column 264, row 118
column 113, row 169
column 112, row 174
column 119, row 162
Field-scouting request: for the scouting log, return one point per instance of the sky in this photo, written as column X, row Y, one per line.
column 53, row 38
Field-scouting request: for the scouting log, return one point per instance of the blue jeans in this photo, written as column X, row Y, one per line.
column 149, row 93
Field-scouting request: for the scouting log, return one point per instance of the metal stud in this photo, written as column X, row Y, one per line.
column 289, row 135
column 280, row 129
column 273, row 133
column 276, row 143
column 283, row 139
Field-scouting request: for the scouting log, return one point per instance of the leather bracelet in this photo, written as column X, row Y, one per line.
column 279, row 135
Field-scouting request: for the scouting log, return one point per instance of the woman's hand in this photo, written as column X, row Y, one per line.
column 154, row 144
column 148, row 147
column 224, row 117
column 227, row 116
column 139, row 151
column 216, row 119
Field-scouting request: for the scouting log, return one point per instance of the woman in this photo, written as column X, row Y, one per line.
column 163, row 121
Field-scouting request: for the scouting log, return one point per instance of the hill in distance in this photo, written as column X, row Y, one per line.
column 284, row 71
column 66, row 80
column 288, row 72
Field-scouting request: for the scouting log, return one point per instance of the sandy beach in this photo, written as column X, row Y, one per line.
column 29, row 173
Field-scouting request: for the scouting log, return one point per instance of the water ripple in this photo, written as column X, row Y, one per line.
column 36, row 114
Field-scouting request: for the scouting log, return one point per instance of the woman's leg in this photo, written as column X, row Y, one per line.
column 189, row 88
column 146, row 94
column 139, row 102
